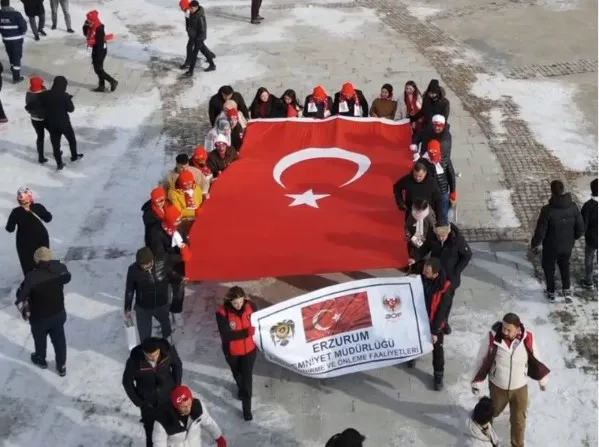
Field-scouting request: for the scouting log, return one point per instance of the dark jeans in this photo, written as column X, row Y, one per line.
column 445, row 205
column 590, row 256
column 242, row 367
column 193, row 48
column 55, row 137
column 548, row 261
column 54, row 327
column 148, row 418
column 439, row 355
column 98, row 64
column 40, row 131
column 256, row 8
column 2, row 114
column 14, row 50
column 144, row 321
column 178, row 290
column 37, row 27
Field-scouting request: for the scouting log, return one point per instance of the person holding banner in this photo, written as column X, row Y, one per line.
column 236, row 332
column 438, row 295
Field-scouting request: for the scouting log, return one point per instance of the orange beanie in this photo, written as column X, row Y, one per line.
column 348, row 90
column 319, row 93
column 158, row 194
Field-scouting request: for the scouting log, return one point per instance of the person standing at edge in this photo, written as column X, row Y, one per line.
column 64, row 5
column 94, row 32
column 236, row 332
column 256, row 17
column 558, row 227
column 196, row 32
column 589, row 216
column 12, row 29
column 507, row 355
column 152, row 371
column 33, row 9
column 40, row 298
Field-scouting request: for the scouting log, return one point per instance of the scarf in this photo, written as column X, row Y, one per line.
column 419, row 216
column 93, row 23
column 292, row 111
column 170, row 230
column 189, row 199
column 413, row 103
column 264, row 109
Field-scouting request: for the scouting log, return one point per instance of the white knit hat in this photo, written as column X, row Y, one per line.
column 439, row 119
column 220, row 138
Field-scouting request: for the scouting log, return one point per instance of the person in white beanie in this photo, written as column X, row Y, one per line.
column 438, row 130
column 222, row 156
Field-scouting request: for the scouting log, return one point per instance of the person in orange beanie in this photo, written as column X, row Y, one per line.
column 36, row 86
column 153, row 212
column 182, row 422
column 441, row 168
column 93, row 30
column 319, row 104
column 198, row 161
column 350, row 101
column 186, row 195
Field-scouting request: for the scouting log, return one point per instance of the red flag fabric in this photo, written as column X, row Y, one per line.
column 305, row 197
column 336, row 316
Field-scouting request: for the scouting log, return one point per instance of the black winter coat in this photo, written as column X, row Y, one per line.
column 216, row 104
column 559, row 225
column 31, row 232
column 150, row 220
column 149, row 288
column 148, row 387
column 99, row 48
column 431, row 108
column 56, row 104
column 445, row 180
column 164, row 252
column 454, row 253
column 406, row 190
column 320, row 108
column 197, row 27
column 438, row 301
column 33, row 7
column 43, row 288
column 589, row 216
column 237, row 137
column 427, row 134
column 351, row 105
column 274, row 108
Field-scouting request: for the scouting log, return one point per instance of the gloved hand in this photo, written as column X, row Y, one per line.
column 221, row 442
column 251, row 331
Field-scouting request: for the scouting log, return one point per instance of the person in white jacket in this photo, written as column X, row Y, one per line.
column 180, row 424
column 221, row 127
column 508, row 355
column 479, row 431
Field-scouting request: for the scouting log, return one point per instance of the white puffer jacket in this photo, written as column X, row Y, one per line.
column 190, row 438
column 474, row 436
column 510, row 368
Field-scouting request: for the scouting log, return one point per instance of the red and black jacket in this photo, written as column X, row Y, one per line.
column 438, row 295
column 234, row 328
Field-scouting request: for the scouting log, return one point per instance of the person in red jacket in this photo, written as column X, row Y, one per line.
column 93, row 30
column 438, row 296
column 236, row 332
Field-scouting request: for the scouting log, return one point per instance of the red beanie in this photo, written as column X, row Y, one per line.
column 184, row 5
column 180, row 394
column 93, row 16
column 434, row 150
column 158, row 194
column 171, row 215
column 36, row 84
column 319, row 93
column 232, row 113
column 185, row 177
column 200, row 153
column 348, row 90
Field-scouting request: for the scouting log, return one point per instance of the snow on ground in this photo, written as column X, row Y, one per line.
column 551, row 112
column 500, row 205
column 559, row 5
column 423, row 12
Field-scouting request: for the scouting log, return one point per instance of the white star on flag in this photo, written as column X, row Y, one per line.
column 307, row 198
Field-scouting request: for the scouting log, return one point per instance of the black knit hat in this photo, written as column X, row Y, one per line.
column 483, row 411
column 594, row 188
column 350, row 437
column 434, row 87
column 144, row 256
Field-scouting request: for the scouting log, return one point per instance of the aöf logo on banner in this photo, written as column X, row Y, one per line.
column 392, row 306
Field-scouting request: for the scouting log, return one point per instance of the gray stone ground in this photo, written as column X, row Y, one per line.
column 396, row 405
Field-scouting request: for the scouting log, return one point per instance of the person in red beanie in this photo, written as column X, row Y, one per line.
column 170, row 246
column 198, row 161
column 350, row 102
column 234, row 321
column 440, row 167
column 181, row 423
column 153, row 212
column 236, row 128
column 186, row 195
column 319, row 104
column 36, row 86
column 93, row 30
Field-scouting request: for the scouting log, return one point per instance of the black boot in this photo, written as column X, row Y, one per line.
column 438, row 381
column 113, row 85
column 41, row 159
column 184, row 66
column 188, row 73
column 447, row 329
column 211, row 66
column 77, row 158
column 246, row 405
column 16, row 76
column 38, row 361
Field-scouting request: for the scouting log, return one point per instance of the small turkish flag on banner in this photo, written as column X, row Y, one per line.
column 336, row 316
column 305, row 197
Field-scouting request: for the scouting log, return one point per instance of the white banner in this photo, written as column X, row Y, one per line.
column 349, row 327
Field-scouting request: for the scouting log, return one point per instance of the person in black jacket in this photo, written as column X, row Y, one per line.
column 33, row 9
column 319, row 104
column 152, row 371
column 558, row 227
column 40, row 298
column 3, row 118
column 153, row 213
column 438, row 296
column 434, row 102
column 440, row 167
column 55, row 105
column 350, row 102
column 417, row 185
column 196, row 33
column 217, row 103
column 94, row 32
column 148, row 282
column 589, row 217
column 265, row 105
column 350, row 437
column 28, row 218
column 438, row 130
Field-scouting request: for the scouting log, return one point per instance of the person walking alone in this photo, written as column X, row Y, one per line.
column 236, row 332
column 33, row 9
column 12, row 29
column 40, row 299
column 64, row 5
column 558, row 227
column 255, row 12
column 94, row 32
column 36, row 86
column 196, row 32
column 589, row 216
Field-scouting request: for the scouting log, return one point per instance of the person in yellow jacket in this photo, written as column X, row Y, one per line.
column 187, row 195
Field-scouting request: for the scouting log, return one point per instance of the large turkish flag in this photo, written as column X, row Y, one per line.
column 305, row 197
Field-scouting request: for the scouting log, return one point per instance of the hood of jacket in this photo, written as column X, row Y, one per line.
column 474, row 431
column 146, row 206
column 199, row 12
column 59, row 84
column 561, row 202
column 53, row 266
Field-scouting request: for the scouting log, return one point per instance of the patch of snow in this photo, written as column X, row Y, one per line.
column 336, row 22
column 422, row 12
column 466, row 56
column 502, row 210
column 551, row 112
column 559, row 5
column 496, row 119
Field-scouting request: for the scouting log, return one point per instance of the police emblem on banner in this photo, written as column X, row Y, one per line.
column 282, row 333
